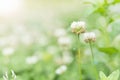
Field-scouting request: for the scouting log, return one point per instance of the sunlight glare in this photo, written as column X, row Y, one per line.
column 9, row 7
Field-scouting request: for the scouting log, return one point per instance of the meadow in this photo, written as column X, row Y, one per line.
column 59, row 39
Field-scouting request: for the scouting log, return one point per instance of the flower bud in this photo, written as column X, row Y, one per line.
column 89, row 37
column 78, row 27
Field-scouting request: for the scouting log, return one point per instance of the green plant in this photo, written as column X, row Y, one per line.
column 12, row 77
column 90, row 37
column 78, row 28
column 113, row 76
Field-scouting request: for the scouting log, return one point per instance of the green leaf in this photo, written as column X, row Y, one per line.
column 114, row 75
column 114, row 28
column 102, row 76
column 116, row 1
column 108, row 50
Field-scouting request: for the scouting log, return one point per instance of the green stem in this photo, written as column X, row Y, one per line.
column 94, row 66
column 79, row 59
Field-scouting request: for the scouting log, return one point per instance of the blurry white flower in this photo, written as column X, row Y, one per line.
column 64, row 41
column 60, row 32
column 78, row 27
column 61, row 69
column 52, row 49
column 67, row 58
column 11, row 40
column 32, row 59
column 89, row 37
column 38, row 55
column 8, row 51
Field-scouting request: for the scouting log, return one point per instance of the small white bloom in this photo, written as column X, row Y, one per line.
column 67, row 58
column 61, row 69
column 64, row 41
column 78, row 27
column 89, row 37
column 60, row 32
column 52, row 49
column 8, row 51
column 32, row 60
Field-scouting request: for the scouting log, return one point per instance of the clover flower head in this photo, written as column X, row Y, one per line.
column 78, row 27
column 60, row 32
column 61, row 69
column 32, row 59
column 64, row 41
column 89, row 37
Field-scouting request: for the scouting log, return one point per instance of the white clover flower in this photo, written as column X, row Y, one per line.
column 67, row 58
column 8, row 51
column 64, row 41
column 52, row 49
column 60, row 32
column 61, row 69
column 89, row 37
column 78, row 27
column 32, row 59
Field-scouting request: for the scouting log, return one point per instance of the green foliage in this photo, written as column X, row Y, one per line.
column 113, row 76
column 32, row 49
column 109, row 50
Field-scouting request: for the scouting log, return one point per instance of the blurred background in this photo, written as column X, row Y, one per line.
column 36, row 39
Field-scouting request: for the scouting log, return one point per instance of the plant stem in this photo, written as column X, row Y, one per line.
column 79, row 59
column 94, row 66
